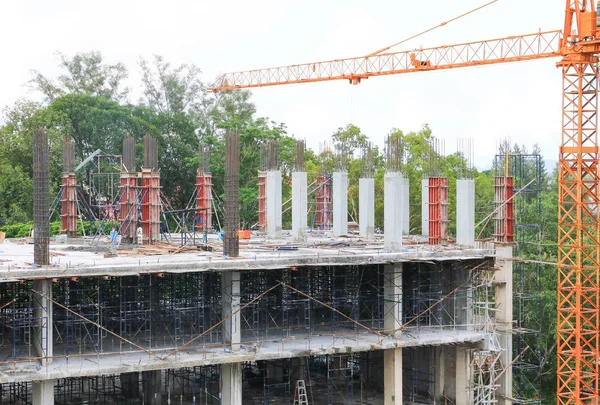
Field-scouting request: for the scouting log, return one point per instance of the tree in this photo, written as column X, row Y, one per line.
column 172, row 90
column 84, row 73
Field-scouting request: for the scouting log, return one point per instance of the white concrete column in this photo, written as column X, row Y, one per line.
column 463, row 375
column 405, row 206
column 465, row 212
column 231, row 383
column 274, row 204
column 43, row 342
column 299, row 206
column 392, row 295
column 504, row 317
column 393, row 212
column 42, row 392
column 340, row 203
column 392, row 376
column 230, row 286
column 425, row 207
column 366, row 207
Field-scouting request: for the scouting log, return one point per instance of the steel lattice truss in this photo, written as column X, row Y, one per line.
column 511, row 49
column 578, row 251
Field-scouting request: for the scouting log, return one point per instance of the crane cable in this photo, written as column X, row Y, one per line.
column 431, row 29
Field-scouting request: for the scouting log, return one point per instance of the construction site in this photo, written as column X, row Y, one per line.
column 317, row 303
column 316, row 314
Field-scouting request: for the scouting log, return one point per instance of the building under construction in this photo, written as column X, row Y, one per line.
column 311, row 315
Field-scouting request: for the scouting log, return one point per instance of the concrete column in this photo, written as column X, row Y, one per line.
column 230, row 285
column 504, row 317
column 465, row 212
column 42, row 392
column 392, row 292
column 425, row 207
column 274, row 204
column 152, row 386
column 393, row 212
column 438, row 361
column 130, row 385
column 42, row 312
column 366, row 207
column 392, row 376
column 231, row 383
column 405, row 206
column 299, row 206
column 340, row 203
column 462, row 375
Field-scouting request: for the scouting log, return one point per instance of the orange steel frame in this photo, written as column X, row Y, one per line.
column 262, row 201
column 578, row 241
column 204, row 201
column 69, row 205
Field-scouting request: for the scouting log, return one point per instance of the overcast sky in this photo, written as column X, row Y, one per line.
column 521, row 101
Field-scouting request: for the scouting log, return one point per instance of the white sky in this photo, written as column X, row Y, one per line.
column 521, row 101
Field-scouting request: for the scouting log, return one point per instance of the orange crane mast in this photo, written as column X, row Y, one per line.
column 577, row 44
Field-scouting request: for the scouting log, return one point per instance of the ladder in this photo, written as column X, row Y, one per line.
column 300, row 397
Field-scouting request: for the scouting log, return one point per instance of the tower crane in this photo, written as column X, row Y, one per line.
column 577, row 45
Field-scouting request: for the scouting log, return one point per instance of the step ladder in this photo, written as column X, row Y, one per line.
column 300, row 397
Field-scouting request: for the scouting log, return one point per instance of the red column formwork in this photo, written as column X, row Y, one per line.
column 504, row 219
column 262, row 201
column 128, row 207
column 150, row 206
column 204, row 201
column 68, row 215
column 324, row 203
column 438, row 210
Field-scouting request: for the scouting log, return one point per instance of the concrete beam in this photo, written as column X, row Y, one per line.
column 231, row 384
column 274, row 204
column 366, row 207
column 230, row 286
column 299, row 206
column 392, row 378
column 42, row 392
column 393, row 211
column 504, row 317
column 465, row 212
column 340, row 203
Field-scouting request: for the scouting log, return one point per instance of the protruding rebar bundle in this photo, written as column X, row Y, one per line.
column 436, row 155
column 394, row 153
column 204, row 158
column 129, row 154
column 150, row 153
column 231, row 246
column 273, row 155
column 367, row 161
column 300, row 148
column 41, row 202
column 464, row 146
column 342, row 155
column 68, row 148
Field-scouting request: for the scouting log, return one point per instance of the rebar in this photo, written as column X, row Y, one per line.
column 464, row 147
column 394, row 153
column 68, row 147
column 437, row 149
column 129, row 154
column 342, row 156
column 367, row 161
column 273, row 155
column 150, row 153
column 300, row 148
column 204, row 158
column 231, row 246
column 41, row 199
